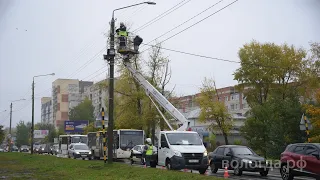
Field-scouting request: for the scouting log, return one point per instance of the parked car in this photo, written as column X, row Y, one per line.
column 1, row 150
column 15, row 149
column 44, row 148
column 237, row 158
column 79, row 150
column 137, row 154
column 24, row 148
column 54, row 150
column 300, row 160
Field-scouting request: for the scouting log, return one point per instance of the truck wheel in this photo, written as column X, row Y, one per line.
column 213, row 168
column 168, row 165
column 202, row 171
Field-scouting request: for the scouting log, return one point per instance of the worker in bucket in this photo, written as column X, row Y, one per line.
column 148, row 148
column 123, row 34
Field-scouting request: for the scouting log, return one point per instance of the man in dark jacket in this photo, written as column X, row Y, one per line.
column 136, row 43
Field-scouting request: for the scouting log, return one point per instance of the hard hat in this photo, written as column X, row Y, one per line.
column 148, row 140
column 121, row 24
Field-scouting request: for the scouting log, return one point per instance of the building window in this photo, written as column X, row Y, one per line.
column 236, row 106
column 64, row 98
column 232, row 106
column 90, row 96
column 226, row 98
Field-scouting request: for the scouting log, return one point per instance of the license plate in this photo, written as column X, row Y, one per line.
column 83, row 156
column 193, row 161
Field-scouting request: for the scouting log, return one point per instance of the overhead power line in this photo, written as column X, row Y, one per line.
column 186, row 21
column 195, row 23
column 164, row 14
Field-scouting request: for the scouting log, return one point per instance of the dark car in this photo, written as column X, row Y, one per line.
column 237, row 158
column 300, row 160
column 24, row 148
column 44, row 148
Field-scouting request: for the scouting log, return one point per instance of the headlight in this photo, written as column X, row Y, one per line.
column 77, row 153
column 177, row 153
column 246, row 161
column 89, row 152
column 42, row 149
column 205, row 153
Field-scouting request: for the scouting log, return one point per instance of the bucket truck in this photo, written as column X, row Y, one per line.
column 177, row 149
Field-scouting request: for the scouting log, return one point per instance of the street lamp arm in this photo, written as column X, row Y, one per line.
column 52, row 74
column 18, row 100
column 151, row 3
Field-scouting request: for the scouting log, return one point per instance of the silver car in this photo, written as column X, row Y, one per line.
column 79, row 150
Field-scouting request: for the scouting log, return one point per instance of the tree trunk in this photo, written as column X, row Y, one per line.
column 225, row 138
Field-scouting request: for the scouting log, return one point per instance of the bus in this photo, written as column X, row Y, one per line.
column 123, row 141
column 66, row 140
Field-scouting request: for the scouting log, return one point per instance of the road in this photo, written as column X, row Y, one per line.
column 274, row 174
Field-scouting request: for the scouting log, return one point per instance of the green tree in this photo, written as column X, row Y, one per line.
column 213, row 111
column 2, row 134
column 84, row 111
column 313, row 110
column 268, row 76
column 22, row 134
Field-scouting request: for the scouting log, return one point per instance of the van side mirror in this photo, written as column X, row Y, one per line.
column 316, row 155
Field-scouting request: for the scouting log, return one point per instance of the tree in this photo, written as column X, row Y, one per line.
column 266, row 67
column 22, row 134
column 2, row 134
column 313, row 110
column 84, row 111
column 274, row 124
column 269, row 76
column 213, row 111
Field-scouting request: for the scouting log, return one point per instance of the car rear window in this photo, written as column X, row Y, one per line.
column 299, row 149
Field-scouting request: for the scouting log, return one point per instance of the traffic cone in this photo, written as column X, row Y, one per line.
column 185, row 170
column 206, row 173
column 226, row 173
column 162, row 167
column 145, row 166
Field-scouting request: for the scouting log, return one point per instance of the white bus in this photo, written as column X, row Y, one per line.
column 66, row 140
column 124, row 141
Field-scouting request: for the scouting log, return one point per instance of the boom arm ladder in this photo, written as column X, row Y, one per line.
column 158, row 97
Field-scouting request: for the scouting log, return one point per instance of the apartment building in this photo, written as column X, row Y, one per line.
column 98, row 95
column 234, row 102
column 66, row 94
column 46, row 110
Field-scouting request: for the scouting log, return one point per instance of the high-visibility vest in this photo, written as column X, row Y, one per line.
column 123, row 33
column 150, row 150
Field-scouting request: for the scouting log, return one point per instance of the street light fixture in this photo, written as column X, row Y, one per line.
column 11, row 112
column 110, row 57
column 32, row 123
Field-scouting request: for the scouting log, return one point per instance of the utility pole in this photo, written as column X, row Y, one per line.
column 111, row 93
column 10, row 118
column 32, row 123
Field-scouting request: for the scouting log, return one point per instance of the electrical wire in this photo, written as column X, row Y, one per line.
column 194, row 24
column 185, row 21
column 157, row 18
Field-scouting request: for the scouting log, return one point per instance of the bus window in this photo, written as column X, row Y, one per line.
column 129, row 139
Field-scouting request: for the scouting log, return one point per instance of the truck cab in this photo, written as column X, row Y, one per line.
column 182, row 150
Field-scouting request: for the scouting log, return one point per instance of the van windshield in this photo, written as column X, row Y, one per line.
column 184, row 139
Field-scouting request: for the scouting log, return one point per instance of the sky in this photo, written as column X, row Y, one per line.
column 68, row 38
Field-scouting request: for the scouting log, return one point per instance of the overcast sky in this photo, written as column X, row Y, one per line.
column 62, row 36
